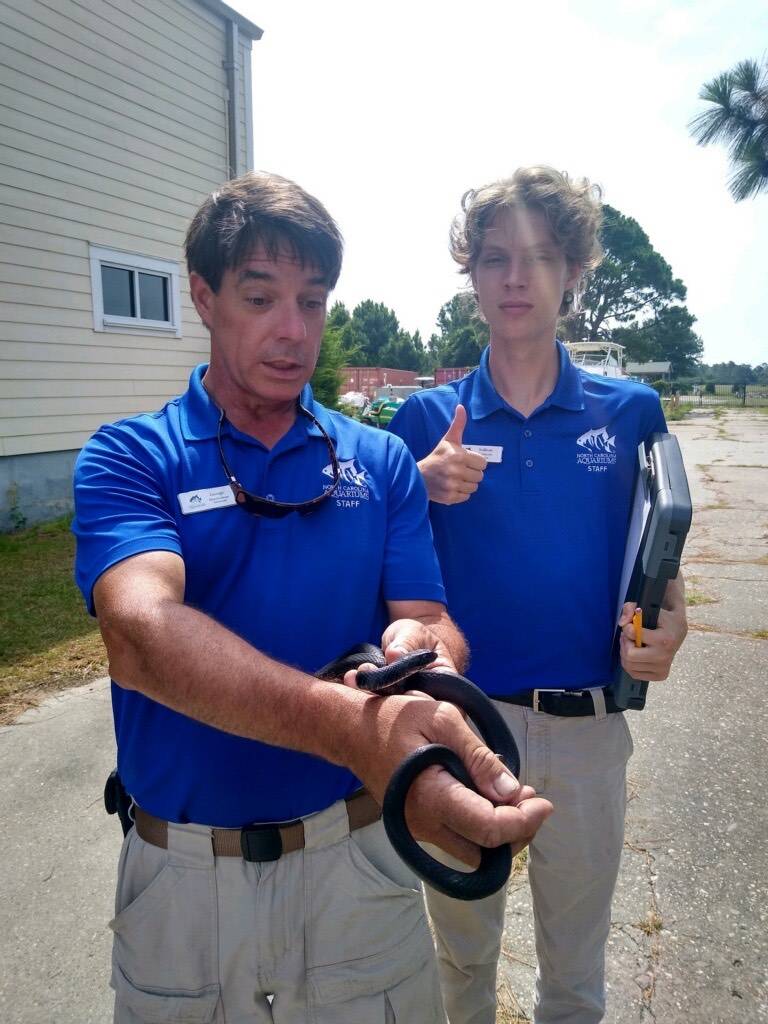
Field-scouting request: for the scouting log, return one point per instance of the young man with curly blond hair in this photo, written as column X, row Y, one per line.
column 530, row 527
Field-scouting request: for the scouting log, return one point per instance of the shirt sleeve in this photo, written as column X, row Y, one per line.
column 410, row 424
column 120, row 506
column 654, row 420
column 411, row 570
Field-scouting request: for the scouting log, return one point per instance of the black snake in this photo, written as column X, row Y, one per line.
column 408, row 674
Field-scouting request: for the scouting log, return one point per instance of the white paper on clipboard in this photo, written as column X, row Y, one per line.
column 641, row 507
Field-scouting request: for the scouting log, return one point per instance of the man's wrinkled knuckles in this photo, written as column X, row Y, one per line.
column 490, row 835
column 482, row 762
column 506, row 825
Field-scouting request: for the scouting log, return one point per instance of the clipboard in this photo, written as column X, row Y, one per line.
column 659, row 524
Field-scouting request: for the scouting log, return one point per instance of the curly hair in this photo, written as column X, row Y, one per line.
column 573, row 210
column 267, row 210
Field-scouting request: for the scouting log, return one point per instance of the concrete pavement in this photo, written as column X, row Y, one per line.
column 689, row 938
column 58, row 852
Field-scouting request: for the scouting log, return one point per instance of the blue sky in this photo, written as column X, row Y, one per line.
column 388, row 113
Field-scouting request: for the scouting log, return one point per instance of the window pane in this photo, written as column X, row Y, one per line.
column 153, row 297
column 117, row 286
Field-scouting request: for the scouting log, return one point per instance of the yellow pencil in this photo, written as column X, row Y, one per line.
column 637, row 622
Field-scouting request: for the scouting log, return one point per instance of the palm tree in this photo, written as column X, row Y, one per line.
column 738, row 117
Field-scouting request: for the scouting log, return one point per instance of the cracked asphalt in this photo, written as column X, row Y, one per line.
column 688, row 940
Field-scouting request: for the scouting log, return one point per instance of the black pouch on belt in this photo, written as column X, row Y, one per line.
column 117, row 801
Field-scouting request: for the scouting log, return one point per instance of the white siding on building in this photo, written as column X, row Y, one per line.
column 113, row 125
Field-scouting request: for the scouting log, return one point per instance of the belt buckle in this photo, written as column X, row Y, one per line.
column 261, row 843
column 535, row 699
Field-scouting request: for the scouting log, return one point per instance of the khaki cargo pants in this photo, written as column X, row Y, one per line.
column 573, row 862
column 335, row 933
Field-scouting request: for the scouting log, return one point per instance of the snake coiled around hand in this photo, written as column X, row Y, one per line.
column 408, row 673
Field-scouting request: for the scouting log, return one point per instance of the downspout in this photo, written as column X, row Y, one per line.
column 232, row 67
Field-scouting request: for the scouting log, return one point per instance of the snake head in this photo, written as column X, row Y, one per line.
column 393, row 678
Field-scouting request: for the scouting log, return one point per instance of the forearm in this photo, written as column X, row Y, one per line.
column 417, row 624
column 674, row 596
column 449, row 634
column 181, row 658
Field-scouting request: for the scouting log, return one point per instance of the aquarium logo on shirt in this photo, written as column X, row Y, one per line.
column 353, row 483
column 596, row 448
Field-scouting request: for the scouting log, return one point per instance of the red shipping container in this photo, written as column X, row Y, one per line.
column 445, row 374
column 367, row 379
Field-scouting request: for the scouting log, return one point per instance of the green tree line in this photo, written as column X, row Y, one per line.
column 633, row 298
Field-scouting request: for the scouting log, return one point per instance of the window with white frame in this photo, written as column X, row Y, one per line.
column 134, row 293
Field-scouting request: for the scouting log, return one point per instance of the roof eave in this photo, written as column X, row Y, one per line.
column 225, row 11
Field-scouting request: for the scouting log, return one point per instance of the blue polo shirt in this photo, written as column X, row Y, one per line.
column 302, row 589
column 532, row 561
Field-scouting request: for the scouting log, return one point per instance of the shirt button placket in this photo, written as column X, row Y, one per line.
column 528, row 461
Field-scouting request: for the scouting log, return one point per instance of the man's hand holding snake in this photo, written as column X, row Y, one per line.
column 439, row 809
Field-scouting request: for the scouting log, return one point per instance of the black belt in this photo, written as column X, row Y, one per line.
column 563, row 703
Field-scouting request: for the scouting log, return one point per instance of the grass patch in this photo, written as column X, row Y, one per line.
column 46, row 635
column 760, row 634
column 677, row 412
column 694, row 597
column 519, row 864
column 508, row 1009
column 651, row 924
column 511, row 1015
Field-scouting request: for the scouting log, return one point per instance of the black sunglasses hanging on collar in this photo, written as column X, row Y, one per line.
column 258, row 506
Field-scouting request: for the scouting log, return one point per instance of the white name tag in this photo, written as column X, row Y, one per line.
column 205, row 499
column 490, row 452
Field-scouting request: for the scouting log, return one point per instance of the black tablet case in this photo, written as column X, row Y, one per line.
column 661, row 547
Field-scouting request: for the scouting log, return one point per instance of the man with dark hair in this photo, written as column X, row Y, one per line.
column 530, row 468
column 257, row 884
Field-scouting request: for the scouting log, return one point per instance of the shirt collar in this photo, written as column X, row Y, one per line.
column 200, row 415
column 198, row 412
column 569, row 390
column 567, row 394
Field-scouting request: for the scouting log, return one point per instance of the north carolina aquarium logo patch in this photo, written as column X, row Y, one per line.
column 353, row 485
column 596, row 448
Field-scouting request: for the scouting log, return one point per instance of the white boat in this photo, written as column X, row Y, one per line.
column 603, row 358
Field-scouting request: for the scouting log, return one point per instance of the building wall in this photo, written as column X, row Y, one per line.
column 114, row 127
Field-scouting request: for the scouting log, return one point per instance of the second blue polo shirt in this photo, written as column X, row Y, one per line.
column 532, row 561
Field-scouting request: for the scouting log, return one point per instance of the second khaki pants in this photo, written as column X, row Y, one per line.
column 580, row 765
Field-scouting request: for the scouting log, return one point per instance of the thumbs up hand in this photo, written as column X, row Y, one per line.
column 450, row 472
